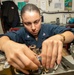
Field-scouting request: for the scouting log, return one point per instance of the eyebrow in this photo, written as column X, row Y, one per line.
column 32, row 22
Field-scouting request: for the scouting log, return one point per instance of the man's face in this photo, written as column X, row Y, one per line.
column 32, row 22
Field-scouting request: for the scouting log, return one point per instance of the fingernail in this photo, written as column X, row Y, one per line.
column 58, row 62
column 47, row 67
column 51, row 66
column 27, row 73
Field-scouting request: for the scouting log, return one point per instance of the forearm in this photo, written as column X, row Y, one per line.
column 69, row 36
column 3, row 41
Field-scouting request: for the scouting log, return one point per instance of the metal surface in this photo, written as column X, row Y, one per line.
column 72, row 50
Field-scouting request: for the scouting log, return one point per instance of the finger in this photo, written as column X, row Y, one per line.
column 54, row 54
column 60, row 48
column 27, row 62
column 18, row 62
column 43, row 54
column 32, row 56
column 49, row 54
column 19, row 68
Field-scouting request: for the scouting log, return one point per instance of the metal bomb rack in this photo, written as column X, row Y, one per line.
column 66, row 66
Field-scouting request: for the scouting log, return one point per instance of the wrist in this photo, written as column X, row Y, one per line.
column 63, row 38
column 4, row 46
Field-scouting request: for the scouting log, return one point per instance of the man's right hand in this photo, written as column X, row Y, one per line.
column 20, row 56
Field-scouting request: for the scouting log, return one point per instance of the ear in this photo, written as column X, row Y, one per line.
column 42, row 18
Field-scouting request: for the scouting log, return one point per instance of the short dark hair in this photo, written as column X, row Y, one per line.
column 29, row 7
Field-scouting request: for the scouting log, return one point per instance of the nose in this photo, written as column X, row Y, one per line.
column 33, row 26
